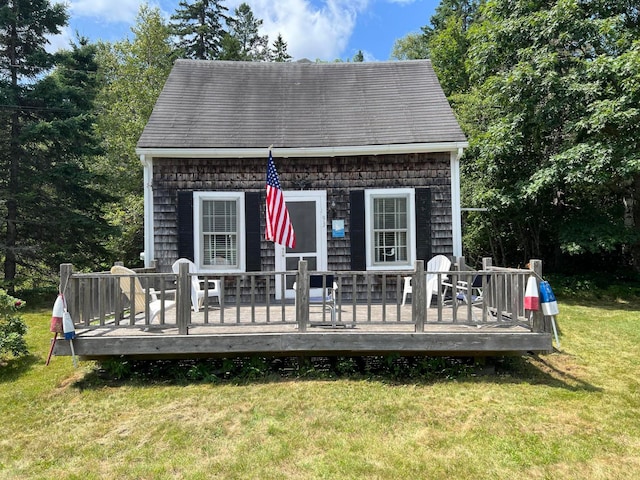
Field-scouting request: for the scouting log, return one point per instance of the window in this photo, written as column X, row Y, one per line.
column 219, row 235
column 390, row 228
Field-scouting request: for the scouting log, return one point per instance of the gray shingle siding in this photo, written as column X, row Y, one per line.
column 356, row 173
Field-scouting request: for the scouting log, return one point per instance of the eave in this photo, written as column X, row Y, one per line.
column 341, row 151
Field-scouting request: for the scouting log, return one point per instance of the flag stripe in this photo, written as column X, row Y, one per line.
column 279, row 228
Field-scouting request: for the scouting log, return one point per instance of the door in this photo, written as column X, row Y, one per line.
column 308, row 214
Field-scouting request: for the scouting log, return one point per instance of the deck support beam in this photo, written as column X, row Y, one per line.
column 343, row 342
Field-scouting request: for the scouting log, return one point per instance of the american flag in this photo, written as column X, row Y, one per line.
column 279, row 228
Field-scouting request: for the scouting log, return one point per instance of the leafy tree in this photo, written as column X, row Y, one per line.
column 279, row 51
column 445, row 42
column 134, row 73
column 244, row 28
column 464, row 10
column 448, row 52
column 358, row 57
column 411, row 47
column 12, row 327
column 552, row 114
column 199, row 28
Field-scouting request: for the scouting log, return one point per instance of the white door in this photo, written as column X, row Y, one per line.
column 308, row 214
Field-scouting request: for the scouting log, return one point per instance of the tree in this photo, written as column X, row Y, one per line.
column 552, row 105
column 358, row 57
column 199, row 28
column 134, row 74
column 230, row 48
column 447, row 48
column 24, row 26
column 12, row 327
column 279, row 51
column 411, row 47
column 244, row 28
column 63, row 221
column 445, row 42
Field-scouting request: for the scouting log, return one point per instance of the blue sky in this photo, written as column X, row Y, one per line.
column 313, row 29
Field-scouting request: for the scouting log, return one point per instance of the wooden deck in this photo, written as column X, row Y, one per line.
column 369, row 316
column 246, row 332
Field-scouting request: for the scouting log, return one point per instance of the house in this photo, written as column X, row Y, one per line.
column 367, row 155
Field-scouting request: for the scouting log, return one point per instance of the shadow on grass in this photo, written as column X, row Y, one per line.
column 550, row 370
column 14, row 368
column 391, row 369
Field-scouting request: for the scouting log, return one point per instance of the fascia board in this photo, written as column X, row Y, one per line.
column 343, row 151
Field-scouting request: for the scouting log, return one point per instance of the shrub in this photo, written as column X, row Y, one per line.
column 12, row 328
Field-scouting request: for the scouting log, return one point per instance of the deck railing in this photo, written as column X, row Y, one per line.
column 95, row 300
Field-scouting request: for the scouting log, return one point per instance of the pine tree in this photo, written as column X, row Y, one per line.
column 244, row 28
column 64, row 222
column 199, row 27
column 279, row 51
column 24, row 25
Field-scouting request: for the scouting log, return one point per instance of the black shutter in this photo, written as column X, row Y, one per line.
column 423, row 224
column 185, row 224
column 357, row 231
column 253, row 233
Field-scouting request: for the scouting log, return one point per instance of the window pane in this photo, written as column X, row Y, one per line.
column 390, row 230
column 303, row 219
column 220, row 232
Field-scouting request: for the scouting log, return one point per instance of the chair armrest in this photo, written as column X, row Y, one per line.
column 153, row 294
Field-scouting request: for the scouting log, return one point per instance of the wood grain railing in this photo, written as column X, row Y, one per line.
column 95, row 300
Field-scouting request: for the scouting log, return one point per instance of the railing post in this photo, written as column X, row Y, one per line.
column 488, row 286
column 538, row 323
column 183, row 299
column 302, row 296
column 419, row 296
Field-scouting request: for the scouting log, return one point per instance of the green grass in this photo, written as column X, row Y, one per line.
column 572, row 414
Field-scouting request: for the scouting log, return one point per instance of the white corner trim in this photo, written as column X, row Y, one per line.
column 343, row 151
column 456, row 212
column 149, row 250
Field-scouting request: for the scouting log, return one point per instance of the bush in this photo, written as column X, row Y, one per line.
column 12, row 328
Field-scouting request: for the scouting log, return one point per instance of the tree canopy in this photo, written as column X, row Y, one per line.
column 244, row 29
column 52, row 207
column 550, row 103
column 548, row 93
column 199, row 28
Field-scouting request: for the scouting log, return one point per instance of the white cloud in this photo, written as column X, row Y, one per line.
column 107, row 10
column 62, row 41
column 318, row 30
column 313, row 29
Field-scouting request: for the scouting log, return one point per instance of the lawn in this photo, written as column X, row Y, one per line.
column 572, row 414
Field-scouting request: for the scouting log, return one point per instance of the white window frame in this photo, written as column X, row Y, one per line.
column 369, row 197
column 198, row 199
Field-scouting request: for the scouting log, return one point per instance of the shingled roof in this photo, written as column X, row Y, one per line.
column 217, row 104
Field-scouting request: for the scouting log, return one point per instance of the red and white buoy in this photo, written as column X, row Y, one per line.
column 531, row 298
column 56, row 323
